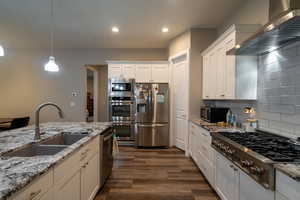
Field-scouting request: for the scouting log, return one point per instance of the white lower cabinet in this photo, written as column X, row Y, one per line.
column 89, row 178
column 227, row 179
column 249, row 189
column 76, row 178
column 70, row 189
column 286, row 187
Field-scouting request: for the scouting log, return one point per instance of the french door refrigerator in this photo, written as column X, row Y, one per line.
column 152, row 114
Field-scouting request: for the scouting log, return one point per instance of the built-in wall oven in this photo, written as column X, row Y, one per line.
column 122, row 108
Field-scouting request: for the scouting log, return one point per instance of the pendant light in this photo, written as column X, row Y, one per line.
column 1, row 51
column 51, row 66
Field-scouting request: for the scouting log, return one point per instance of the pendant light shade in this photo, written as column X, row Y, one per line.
column 51, row 66
column 1, row 51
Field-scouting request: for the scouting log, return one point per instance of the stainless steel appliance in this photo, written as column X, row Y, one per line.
column 106, row 155
column 122, row 108
column 282, row 29
column 152, row 115
column 257, row 152
column 213, row 114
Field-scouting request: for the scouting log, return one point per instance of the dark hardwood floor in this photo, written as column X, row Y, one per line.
column 147, row 174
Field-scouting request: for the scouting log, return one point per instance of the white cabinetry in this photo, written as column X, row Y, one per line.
column 160, row 73
column 115, row 70
column 221, row 72
column 76, row 178
column 143, row 72
column 90, row 178
column 286, row 187
column 69, row 189
column 202, row 152
column 129, row 71
column 249, row 189
column 227, row 179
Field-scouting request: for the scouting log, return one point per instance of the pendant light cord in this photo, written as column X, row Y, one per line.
column 52, row 29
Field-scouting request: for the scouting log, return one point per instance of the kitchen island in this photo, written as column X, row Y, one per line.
column 18, row 172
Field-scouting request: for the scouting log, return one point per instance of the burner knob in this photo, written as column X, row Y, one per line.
column 247, row 163
column 257, row 170
column 231, row 151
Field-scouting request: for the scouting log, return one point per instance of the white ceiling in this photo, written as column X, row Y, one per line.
column 87, row 23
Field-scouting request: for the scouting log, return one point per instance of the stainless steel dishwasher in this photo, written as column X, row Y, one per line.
column 106, row 155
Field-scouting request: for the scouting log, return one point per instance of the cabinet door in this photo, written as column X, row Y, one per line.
column 194, row 143
column 129, row 71
column 220, row 65
column 230, row 69
column 227, row 179
column 69, row 189
column 280, row 196
column 160, row 73
column 250, row 190
column 143, row 73
column 205, row 78
column 47, row 196
column 115, row 70
column 90, row 178
column 209, row 75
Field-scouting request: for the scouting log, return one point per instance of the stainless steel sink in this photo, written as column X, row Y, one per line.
column 36, row 150
column 63, row 139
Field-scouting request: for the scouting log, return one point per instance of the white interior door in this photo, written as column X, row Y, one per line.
column 180, row 97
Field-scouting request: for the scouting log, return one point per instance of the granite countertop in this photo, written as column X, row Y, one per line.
column 291, row 170
column 212, row 127
column 17, row 172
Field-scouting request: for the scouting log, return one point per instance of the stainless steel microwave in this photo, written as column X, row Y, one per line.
column 213, row 114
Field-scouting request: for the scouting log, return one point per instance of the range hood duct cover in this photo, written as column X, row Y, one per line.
column 283, row 29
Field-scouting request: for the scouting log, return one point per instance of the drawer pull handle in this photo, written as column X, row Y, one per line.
column 34, row 194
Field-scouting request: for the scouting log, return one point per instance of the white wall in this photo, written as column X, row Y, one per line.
column 24, row 84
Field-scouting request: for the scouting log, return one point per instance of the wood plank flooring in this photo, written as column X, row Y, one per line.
column 150, row 174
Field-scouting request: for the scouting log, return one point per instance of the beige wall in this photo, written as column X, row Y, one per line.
column 24, row 84
column 180, row 43
column 250, row 12
column 200, row 40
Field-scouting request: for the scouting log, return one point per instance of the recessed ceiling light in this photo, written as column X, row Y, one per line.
column 165, row 30
column 238, row 46
column 115, row 29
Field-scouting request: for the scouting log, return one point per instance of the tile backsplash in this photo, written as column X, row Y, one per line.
column 278, row 103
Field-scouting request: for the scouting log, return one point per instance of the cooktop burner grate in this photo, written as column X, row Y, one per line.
column 274, row 147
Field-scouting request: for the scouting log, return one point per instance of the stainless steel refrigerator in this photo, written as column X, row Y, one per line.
column 152, row 114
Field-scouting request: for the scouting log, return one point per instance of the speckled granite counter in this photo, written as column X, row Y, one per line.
column 17, row 172
column 291, row 170
column 211, row 127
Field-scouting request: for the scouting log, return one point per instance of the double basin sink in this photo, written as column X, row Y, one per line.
column 47, row 147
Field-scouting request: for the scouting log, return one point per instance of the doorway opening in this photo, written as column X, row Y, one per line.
column 96, row 93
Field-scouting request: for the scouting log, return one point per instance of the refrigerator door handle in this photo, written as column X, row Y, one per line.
column 151, row 125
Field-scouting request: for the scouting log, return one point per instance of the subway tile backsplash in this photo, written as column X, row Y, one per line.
column 278, row 103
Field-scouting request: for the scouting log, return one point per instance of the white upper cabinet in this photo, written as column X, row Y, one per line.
column 160, row 73
column 129, row 71
column 142, row 72
column 224, row 75
column 115, row 70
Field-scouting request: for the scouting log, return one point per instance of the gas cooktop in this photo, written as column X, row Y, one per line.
column 274, row 147
column 256, row 153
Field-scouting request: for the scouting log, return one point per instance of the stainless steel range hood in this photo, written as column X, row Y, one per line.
column 283, row 29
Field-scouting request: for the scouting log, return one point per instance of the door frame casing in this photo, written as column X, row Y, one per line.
column 172, row 61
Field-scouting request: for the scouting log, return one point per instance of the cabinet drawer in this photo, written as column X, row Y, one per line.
column 37, row 188
column 73, row 163
column 287, row 186
column 206, row 167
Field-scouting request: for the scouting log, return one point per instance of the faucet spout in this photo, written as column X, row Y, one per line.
column 37, row 135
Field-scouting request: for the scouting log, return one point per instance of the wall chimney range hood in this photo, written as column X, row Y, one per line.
column 282, row 29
